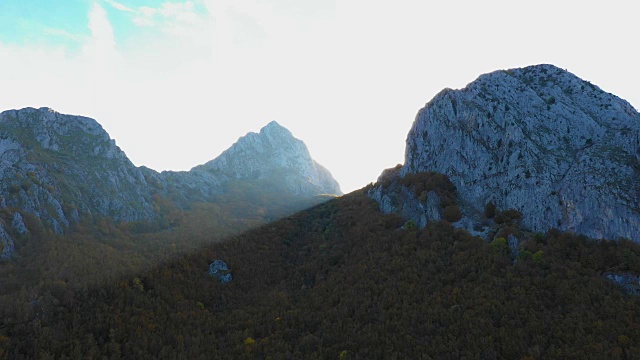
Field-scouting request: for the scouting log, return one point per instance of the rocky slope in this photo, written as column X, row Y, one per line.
column 538, row 139
column 58, row 169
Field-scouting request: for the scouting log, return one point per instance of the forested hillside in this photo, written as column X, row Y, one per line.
column 337, row 281
column 100, row 250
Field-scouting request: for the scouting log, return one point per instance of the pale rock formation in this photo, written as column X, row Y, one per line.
column 538, row 139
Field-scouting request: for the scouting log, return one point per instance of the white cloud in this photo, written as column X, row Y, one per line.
column 144, row 16
column 100, row 53
column 147, row 11
column 184, row 12
column 63, row 34
column 119, row 6
column 102, row 36
column 172, row 17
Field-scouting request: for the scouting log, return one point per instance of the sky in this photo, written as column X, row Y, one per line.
column 178, row 82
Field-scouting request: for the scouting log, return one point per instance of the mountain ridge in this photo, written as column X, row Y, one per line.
column 64, row 168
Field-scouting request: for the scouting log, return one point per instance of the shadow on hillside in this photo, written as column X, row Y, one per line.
column 100, row 252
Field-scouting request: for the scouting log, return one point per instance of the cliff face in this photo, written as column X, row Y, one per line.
column 62, row 168
column 538, row 139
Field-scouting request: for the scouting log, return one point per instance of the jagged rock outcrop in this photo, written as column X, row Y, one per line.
column 220, row 270
column 274, row 155
column 18, row 224
column 62, row 169
column 395, row 197
column 418, row 198
column 629, row 282
column 540, row 140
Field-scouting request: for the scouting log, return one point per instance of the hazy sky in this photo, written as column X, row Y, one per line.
column 177, row 82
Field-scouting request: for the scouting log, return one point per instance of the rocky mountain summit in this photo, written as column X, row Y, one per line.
column 538, row 139
column 273, row 154
column 56, row 170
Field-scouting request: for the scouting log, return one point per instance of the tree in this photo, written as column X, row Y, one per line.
column 410, row 225
column 537, row 257
column 507, row 216
column 500, row 245
column 628, row 258
column 490, row 210
column 249, row 344
column 452, row 213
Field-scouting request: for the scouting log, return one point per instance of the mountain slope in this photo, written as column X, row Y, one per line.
column 57, row 170
column 341, row 279
column 540, row 140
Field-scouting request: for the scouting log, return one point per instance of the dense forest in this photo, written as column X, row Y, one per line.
column 337, row 281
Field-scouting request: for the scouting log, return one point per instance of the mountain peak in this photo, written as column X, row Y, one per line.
column 273, row 125
column 533, row 75
column 540, row 68
column 538, row 139
column 532, row 69
column 275, row 153
column 276, row 132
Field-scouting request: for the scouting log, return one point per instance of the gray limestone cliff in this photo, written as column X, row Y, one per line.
column 538, row 139
column 61, row 169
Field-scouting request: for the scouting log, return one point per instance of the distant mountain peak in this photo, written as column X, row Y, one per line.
column 273, row 125
column 274, row 153
column 276, row 133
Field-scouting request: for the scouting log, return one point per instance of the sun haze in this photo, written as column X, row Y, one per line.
column 177, row 82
